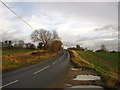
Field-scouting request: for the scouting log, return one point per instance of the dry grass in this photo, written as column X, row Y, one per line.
column 110, row 84
column 15, row 61
column 79, row 61
column 106, row 68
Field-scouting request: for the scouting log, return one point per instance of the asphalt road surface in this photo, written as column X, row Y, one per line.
column 40, row 75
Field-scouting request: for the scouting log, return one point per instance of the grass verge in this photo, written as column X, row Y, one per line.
column 18, row 59
column 105, row 63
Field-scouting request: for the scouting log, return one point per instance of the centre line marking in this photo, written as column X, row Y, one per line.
column 62, row 57
column 41, row 70
column 54, row 62
column 9, row 83
column 58, row 60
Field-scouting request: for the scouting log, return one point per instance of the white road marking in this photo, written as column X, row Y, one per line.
column 54, row 62
column 58, row 60
column 61, row 57
column 9, row 83
column 41, row 70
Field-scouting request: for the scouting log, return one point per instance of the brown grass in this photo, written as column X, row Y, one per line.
column 110, row 84
column 12, row 62
column 79, row 61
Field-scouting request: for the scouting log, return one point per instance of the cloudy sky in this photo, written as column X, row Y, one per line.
column 88, row 24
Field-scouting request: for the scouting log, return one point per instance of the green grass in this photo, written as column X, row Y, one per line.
column 110, row 57
column 102, row 57
column 104, row 62
column 12, row 52
column 17, row 64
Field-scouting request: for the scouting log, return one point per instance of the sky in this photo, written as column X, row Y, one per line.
column 88, row 24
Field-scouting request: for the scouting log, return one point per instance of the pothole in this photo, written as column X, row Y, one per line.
column 87, row 86
column 87, row 77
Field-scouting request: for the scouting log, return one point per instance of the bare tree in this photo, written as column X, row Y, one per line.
column 10, row 43
column 6, row 43
column 40, row 45
column 103, row 48
column 44, row 36
column 48, row 40
column 21, row 43
column 30, row 46
column 78, row 46
column 55, row 35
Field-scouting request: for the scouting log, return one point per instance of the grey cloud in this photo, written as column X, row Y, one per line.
column 100, row 14
column 105, row 36
column 80, row 39
column 110, row 45
column 95, row 44
column 15, row 36
column 8, row 36
column 97, row 12
column 71, row 43
column 107, row 27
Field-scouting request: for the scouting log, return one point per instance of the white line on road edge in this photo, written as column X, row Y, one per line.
column 9, row 83
column 54, row 62
column 41, row 70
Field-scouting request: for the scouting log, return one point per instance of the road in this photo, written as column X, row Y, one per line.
column 40, row 75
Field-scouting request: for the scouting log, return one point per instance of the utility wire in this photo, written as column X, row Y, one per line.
column 17, row 15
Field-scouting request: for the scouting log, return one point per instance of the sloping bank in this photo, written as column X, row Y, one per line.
column 110, row 80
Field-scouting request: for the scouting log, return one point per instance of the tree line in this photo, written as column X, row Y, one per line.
column 47, row 40
column 10, row 45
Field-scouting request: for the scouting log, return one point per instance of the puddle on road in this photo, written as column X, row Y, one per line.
column 87, row 77
column 75, row 69
column 86, row 86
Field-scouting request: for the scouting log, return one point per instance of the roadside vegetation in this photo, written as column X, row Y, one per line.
column 20, row 54
column 104, row 63
column 13, row 52
column 22, row 58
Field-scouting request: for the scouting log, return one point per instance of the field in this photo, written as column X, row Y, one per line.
column 105, row 63
column 12, row 52
column 14, row 59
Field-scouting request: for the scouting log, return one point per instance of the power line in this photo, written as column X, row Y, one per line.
column 17, row 15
